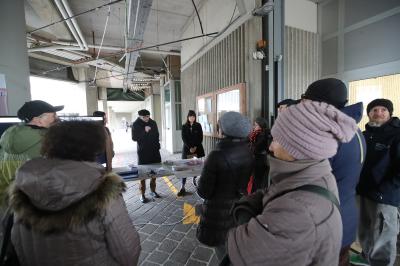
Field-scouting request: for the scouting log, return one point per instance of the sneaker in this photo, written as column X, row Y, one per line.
column 181, row 192
column 358, row 259
column 154, row 194
column 195, row 181
column 143, row 199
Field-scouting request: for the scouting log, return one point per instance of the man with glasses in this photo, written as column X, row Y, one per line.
column 145, row 133
column 23, row 142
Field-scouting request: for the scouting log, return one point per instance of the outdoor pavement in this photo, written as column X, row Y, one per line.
column 166, row 237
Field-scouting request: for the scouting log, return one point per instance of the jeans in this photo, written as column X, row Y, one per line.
column 377, row 232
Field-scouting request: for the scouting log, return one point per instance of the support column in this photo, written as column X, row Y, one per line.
column 14, row 63
column 81, row 74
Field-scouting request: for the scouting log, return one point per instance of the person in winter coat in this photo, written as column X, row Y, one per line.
column 108, row 155
column 145, row 133
column 67, row 209
column 347, row 162
column 224, row 179
column 22, row 142
column 297, row 226
column 259, row 139
column 192, row 137
column 379, row 185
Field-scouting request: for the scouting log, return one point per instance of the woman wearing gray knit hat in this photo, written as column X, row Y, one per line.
column 299, row 213
column 224, row 178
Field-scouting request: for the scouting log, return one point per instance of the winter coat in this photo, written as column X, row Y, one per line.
column 224, row 178
column 70, row 213
column 18, row 144
column 380, row 176
column 298, row 228
column 148, row 143
column 192, row 136
column 346, row 167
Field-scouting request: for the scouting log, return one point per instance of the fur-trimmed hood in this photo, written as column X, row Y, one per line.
column 51, row 195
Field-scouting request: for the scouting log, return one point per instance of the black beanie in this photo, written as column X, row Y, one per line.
column 381, row 102
column 261, row 122
column 143, row 112
column 331, row 91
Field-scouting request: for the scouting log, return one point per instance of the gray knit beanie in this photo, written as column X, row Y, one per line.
column 312, row 130
column 234, row 124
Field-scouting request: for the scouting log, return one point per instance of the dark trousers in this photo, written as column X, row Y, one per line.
column 142, row 185
column 184, row 181
column 344, row 258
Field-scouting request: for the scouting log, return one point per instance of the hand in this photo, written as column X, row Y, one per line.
column 192, row 150
column 147, row 128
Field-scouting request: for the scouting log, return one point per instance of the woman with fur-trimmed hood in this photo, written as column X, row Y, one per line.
column 67, row 210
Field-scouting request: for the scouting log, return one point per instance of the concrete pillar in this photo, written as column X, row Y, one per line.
column 82, row 75
column 14, row 54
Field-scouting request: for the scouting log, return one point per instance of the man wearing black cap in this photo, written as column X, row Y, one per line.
column 22, row 142
column 145, row 133
column 379, row 185
column 347, row 162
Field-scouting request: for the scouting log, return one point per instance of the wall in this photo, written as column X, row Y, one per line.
column 360, row 38
column 301, row 14
column 301, row 61
column 227, row 63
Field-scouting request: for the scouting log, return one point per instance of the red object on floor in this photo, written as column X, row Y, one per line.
column 250, row 185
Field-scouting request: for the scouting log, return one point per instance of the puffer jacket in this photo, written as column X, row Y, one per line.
column 223, row 180
column 380, row 176
column 18, row 144
column 346, row 167
column 71, row 213
column 298, row 228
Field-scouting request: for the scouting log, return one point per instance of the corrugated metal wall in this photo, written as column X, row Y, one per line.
column 222, row 66
column 301, row 61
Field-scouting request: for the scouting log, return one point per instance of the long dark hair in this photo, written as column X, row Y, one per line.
column 191, row 113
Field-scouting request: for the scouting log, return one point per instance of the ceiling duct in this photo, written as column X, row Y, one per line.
column 137, row 16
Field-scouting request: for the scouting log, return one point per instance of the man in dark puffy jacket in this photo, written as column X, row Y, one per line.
column 379, row 185
column 348, row 161
column 145, row 133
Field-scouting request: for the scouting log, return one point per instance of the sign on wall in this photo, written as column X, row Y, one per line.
column 3, row 95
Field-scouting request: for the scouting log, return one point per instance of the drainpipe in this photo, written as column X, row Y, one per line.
column 68, row 9
column 69, row 23
column 54, row 47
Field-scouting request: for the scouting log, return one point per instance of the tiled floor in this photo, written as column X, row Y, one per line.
column 166, row 238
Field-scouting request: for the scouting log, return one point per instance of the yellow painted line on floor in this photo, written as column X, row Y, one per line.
column 190, row 214
column 170, row 185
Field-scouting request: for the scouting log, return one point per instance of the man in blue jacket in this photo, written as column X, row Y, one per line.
column 379, row 185
column 348, row 161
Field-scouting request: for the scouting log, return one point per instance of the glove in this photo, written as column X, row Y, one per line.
column 247, row 207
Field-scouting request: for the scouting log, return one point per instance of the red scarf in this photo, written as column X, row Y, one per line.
column 254, row 134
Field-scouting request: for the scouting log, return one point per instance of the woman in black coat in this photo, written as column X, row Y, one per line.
column 192, row 137
column 224, row 180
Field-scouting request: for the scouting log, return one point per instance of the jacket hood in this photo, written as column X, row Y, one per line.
column 355, row 111
column 52, row 195
column 20, row 138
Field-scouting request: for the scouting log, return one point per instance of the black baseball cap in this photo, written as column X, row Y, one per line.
column 36, row 108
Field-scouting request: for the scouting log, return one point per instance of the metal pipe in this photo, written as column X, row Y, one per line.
column 70, row 14
column 69, row 23
column 54, row 47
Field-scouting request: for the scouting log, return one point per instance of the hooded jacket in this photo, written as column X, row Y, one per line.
column 224, row 178
column 346, row 167
column 380, row 176
column 18, row 144
column 298, row 228
column 70, row 213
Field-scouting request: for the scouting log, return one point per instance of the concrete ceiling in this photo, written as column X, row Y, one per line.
column 165, row 21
